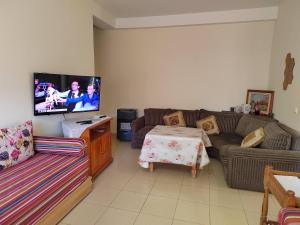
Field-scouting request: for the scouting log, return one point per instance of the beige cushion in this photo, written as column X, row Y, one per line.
column 175, row 119
column 209, row 125
column 254, row 138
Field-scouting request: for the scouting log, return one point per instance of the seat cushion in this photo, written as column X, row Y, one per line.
column 276, row 138
column 218, row 141
column 155, row 116
column 248, row 124
column 32, row 188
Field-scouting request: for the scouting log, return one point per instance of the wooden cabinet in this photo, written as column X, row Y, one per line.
column 98, row 138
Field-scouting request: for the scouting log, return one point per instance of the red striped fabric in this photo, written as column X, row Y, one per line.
column 289, row 216
column 32, row 188
column 60, row 145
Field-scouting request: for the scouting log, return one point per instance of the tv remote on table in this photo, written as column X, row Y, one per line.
column 85, row 121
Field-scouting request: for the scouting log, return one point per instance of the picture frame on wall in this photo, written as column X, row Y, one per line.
column 261, row 101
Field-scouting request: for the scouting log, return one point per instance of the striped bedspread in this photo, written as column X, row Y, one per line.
column 32, row 188
column 289, row 216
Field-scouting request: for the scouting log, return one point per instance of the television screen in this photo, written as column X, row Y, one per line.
column 58, row 93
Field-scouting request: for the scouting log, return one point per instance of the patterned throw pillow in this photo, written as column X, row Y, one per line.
column 16, row 144
column 175, row 119
column 253, row 139
column 209, row 125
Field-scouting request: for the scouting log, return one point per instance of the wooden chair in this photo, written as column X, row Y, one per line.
column 286, row 198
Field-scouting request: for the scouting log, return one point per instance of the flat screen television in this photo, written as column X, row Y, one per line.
column 60, row 93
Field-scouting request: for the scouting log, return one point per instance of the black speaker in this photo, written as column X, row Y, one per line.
column 124, row 120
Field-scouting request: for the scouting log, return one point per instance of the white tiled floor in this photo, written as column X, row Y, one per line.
column 126, row 194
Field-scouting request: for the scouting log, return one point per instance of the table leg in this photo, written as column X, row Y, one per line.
column 265, row 205
column 194, row 171
column 151, row 167
column 264, row 210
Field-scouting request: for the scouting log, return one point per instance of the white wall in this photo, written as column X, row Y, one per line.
column 191, row 67
column 286, row 39
column 54, row 36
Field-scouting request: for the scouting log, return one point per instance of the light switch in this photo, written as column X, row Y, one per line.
column 296, row 110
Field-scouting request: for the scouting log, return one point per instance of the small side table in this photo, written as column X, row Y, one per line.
column 285, row 186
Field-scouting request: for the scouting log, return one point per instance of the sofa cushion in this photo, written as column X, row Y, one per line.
column 175, row 119
column 295, row 145
column 209, row 125
column 16, row 144
column 276, row 138
column 154, row 117
column 253, row 139
column 219, row 141
column 227, row 121
column 249, row 123
column 60, row 145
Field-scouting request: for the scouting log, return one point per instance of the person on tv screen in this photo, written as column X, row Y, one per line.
column 70, row 94
column 90, row 100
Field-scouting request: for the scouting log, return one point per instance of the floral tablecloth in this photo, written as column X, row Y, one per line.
column 177, row 145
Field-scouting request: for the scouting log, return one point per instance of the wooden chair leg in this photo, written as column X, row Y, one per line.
column 194, row 171
column 151, row 167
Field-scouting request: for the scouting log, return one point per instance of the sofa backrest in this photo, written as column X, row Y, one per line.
column 295, row 145
column 227, row 121
column 155, row 116
column 249, row 123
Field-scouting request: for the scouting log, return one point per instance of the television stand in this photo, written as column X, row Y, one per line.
column 98, row 139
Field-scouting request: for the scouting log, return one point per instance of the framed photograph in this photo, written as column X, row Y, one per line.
column 261, row 101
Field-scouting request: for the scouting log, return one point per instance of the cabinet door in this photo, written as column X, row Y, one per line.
column 100, row 152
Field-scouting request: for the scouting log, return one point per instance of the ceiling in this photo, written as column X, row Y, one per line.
column 145, row 8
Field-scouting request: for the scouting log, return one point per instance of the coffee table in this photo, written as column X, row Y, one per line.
column 175, row 145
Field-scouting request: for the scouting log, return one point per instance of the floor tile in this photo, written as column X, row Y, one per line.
column 179, row 222
column 129, row 201
column 139, row 187
column 200, row 181
column 145, row 219
column 117, row 217
column 226, row 199
column 192, row 212
column 102, row 195
column 84, row 213
column 168, row 190
column 253, row 218
column 252, row 201
column 194, row 194
column 160, row 206
column 227, row 216
column 114, row 180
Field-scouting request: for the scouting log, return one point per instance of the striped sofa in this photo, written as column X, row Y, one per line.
column 44, row 188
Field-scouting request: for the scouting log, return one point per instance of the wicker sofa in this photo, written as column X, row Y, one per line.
column 243, row 167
